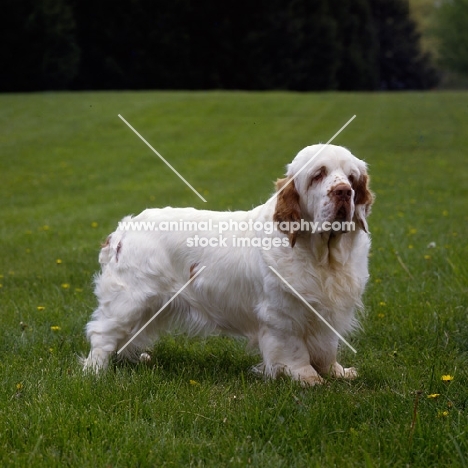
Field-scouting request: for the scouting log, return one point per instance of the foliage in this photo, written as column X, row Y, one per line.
column 452, row 31
column 402, row 64
column 155, row 44
column 39, row 48
column 358, row 38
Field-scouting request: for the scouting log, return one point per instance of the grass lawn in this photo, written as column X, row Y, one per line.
column 70, row 169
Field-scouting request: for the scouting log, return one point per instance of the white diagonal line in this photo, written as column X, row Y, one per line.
column 312, row 309
column 162, row 159
column 314, row 156
column 161, row 309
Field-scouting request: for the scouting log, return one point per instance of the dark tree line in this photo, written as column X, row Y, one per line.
column 205, row 44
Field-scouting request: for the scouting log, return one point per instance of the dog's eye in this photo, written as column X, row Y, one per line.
column 351, row 179
column 318, row 176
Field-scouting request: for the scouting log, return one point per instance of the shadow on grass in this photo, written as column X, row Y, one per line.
column 217, row 359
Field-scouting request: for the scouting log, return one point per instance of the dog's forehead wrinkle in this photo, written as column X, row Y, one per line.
column 331, row 157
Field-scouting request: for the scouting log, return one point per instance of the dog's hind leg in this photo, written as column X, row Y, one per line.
column 116, row 320
column 104, row 335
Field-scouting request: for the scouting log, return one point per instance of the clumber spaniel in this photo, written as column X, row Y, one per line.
column 224, row 262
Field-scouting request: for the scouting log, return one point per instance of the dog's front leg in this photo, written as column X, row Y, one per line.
column 323, row 351
column 97, row 360
column 283, row 352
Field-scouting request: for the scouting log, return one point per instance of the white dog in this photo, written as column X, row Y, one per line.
column 238, row 293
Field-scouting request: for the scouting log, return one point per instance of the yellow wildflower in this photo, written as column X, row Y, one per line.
column 55, row 328
column 65, row 285
column 58, row 261
column 433, row 395
column 39, row 308
column 447, row 378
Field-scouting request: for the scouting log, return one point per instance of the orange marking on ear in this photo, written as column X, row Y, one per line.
column 363, row 196
column 363, row 199
column 287, row 206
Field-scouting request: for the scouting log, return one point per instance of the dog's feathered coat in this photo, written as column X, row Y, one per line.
column 237, row 293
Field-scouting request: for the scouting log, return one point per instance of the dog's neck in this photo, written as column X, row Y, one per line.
column 328, row 248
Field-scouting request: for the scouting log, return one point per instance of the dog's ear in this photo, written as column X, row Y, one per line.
column 287, row 209
column 363, row 199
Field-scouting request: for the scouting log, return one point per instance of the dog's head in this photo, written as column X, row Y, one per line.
column 324, row 184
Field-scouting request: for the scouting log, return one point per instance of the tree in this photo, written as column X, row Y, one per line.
column 402, row 65
column 299, row 45
column 452, row 31
column 142, row 44
column 357, row 37
column 39, row 49
column 295, row 46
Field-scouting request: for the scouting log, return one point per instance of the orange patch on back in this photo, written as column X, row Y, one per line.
column 119, row 248
column 192, row 270
column 107, row 243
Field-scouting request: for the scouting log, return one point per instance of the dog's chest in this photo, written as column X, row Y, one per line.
column 330, row 290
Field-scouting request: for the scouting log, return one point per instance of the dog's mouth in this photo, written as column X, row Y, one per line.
column 342, row 216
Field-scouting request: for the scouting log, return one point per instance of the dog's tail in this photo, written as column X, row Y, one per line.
column 111, row 248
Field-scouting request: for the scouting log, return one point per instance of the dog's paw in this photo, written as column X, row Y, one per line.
column 96, row 362
column 145, row 358
column 337, row 370
column 311, row 381
column 350, row 373
column 258, row 370
column 307, row 376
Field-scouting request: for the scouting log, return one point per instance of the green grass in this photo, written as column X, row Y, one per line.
column 70, row 169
